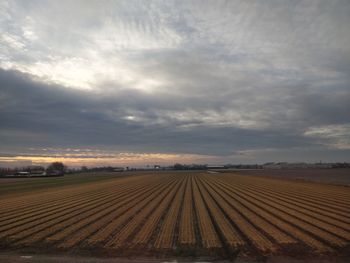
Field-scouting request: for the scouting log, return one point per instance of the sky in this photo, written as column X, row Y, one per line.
column 159, row 82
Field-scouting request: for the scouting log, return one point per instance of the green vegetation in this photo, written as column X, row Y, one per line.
column 20, row 185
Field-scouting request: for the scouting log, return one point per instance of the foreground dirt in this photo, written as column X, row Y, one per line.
column 15, row 257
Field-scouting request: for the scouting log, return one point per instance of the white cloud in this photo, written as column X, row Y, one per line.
column 82, row 46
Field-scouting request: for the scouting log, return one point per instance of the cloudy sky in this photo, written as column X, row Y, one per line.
column 145, row 82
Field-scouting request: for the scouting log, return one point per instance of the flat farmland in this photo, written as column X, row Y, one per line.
column 340, row 176
column 179, row 214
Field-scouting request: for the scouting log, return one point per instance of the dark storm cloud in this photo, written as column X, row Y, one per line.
column 51, row 115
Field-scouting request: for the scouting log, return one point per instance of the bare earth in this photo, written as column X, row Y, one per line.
column 161, row 216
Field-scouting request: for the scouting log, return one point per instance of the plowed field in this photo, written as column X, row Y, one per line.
column 180, row 214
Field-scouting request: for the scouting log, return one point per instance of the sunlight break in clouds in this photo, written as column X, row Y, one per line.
column 122, row 159
column 337, row 136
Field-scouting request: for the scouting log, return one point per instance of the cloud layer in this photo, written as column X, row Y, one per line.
column 236, row 81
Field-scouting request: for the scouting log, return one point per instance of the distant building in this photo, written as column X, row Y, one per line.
column 22, row 174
